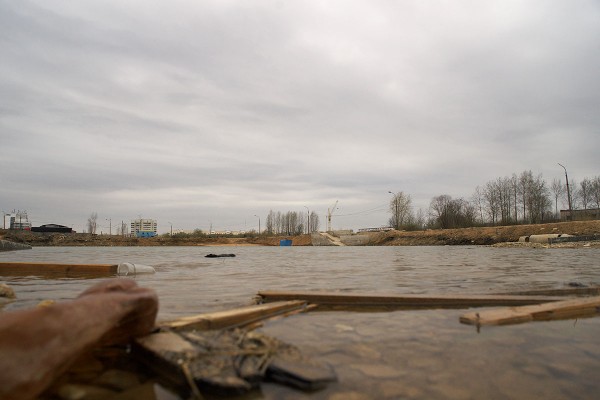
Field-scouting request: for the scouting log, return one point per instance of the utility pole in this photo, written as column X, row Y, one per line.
column 307, row 220
column 568, row 192
column 258, row 223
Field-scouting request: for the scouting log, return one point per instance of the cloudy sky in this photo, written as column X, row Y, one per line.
column 215, row 112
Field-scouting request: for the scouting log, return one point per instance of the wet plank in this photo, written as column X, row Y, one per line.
column 565, row 309
column 356, row 300
column 52, row 270
column 236, row 317
column 570, row 291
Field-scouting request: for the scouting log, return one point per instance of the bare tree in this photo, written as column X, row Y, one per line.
column 314, row 222
column 401, row 209
column 558, row 190
column 596, row 191
column 91, row 223
column 596, row 194
column 452, row 213
column 525, row 183
column 493, row 204
column 585, row 192
column 477, row 199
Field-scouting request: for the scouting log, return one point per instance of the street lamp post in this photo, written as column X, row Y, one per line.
column 258, row 223
column 568, row 192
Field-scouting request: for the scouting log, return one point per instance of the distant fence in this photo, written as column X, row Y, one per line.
column 380, row 229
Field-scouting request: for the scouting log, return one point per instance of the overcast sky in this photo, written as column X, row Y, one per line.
column 215, row 112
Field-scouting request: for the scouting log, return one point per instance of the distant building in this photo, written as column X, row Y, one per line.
column 17, row 220
column 50, row 228
column 144, row 227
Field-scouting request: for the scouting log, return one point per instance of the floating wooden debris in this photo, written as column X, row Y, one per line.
column 57, row 270
column 60, row 270
column 565, row 309
column 228, row 362
column 344, row 300
column 235, row 318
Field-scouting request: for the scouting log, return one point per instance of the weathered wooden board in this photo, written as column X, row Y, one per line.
column 405, row 300
column 236, row 317
column 53, row 270
column 565, row 309
column 570, row 291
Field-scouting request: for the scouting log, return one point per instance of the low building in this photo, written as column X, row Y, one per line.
column 52, row 228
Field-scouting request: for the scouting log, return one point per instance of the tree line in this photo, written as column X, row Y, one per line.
column 291, row 223
column 515, row 199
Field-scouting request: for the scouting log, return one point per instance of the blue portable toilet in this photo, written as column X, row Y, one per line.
column 285, row 242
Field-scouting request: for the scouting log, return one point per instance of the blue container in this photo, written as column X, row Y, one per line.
column 285, row 242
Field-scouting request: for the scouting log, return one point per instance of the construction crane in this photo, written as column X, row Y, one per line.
column 330, row 212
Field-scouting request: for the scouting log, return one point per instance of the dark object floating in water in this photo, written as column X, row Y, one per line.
column 219, row 255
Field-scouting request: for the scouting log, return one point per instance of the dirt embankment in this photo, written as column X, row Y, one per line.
column 483, row 235
column 436, row 237
column 80, row 239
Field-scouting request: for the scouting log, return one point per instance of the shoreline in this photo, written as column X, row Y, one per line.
column 498, row 236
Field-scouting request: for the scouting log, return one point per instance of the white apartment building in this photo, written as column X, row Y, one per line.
column 143, row 225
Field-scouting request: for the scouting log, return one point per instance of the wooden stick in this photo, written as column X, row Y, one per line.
column 564, row 309
column 56, row 269
column 405, row 300
column 235, row 317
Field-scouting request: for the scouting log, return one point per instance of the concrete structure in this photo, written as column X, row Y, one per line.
column 5, row 245
column 143, row 225
column 580, row 215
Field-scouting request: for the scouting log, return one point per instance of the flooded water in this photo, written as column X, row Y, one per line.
column 420, row 354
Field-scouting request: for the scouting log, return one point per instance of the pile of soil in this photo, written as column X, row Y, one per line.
column 86, row 239
column 482, row 235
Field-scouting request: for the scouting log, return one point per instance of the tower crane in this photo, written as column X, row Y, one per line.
column 330, row 212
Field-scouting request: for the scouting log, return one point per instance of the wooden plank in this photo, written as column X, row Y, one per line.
column 236, row 317
column 404, row 300
column 56, row 269
column 571, row 291
column 565, row 309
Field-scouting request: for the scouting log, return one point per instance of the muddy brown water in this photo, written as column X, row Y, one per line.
column 418, row 354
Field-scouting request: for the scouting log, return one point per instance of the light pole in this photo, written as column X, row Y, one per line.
column 258, row 223
column 568, row 191
column 308, row 220
column 109, row 226
column 396, row 215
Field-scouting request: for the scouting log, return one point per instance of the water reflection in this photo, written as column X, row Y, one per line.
column 384, row 355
